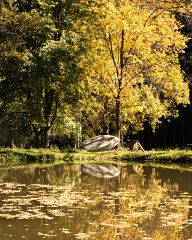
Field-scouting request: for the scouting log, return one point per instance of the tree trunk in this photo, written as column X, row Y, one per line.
column 118, row 119
column 46, row 135
column 105, row 129
column 119, row 132
column 37, row 132
column 42, row 136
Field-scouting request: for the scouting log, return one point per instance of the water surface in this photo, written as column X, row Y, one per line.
column 71, row 202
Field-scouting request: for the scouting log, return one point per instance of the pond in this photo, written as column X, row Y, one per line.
column 95, row 201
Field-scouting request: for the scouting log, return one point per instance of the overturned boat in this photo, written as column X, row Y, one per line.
column 101, row 143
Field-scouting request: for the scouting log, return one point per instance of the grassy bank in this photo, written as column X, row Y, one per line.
column 160, row 156
column 14, row 157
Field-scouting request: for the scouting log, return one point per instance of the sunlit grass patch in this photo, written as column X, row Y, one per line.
column 169, row 156
column 19, row 156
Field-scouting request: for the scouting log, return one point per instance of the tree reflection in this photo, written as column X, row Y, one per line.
column 137, row 168
column 139, row 203
column 42, row 176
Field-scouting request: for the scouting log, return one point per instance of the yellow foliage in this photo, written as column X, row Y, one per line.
column 134, row 58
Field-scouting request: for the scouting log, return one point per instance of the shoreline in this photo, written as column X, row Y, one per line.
column 21, row 157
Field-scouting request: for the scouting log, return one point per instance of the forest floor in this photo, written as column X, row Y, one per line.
column 16, row 157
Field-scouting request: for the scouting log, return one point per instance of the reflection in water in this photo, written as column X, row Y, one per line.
column 100, row 170
column 58, row 203
column 42, row 176
column 137, row 168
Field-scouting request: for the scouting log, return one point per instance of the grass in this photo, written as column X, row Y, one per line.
column 161, row 156
column 17, row 157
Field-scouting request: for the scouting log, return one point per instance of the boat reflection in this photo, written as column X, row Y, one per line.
column 100, row 170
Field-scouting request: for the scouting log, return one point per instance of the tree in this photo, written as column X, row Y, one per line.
column 22, row 34
column 135, row 62
column 128, row 51
column 41, row 54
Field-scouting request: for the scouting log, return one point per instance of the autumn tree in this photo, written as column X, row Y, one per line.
column 128, row 51
column 135, row 62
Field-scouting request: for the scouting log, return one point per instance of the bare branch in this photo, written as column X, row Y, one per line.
column 112, row 54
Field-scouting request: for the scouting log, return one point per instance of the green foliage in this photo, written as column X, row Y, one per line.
column 106, row 65
column 41, row 49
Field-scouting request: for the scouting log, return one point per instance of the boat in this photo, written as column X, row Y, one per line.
column 101, row 143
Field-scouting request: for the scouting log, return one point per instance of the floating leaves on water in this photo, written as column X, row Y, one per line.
column 47, row 235
column 82, row 236
column 87, row 209
column 56, row 212
column 65, row 230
